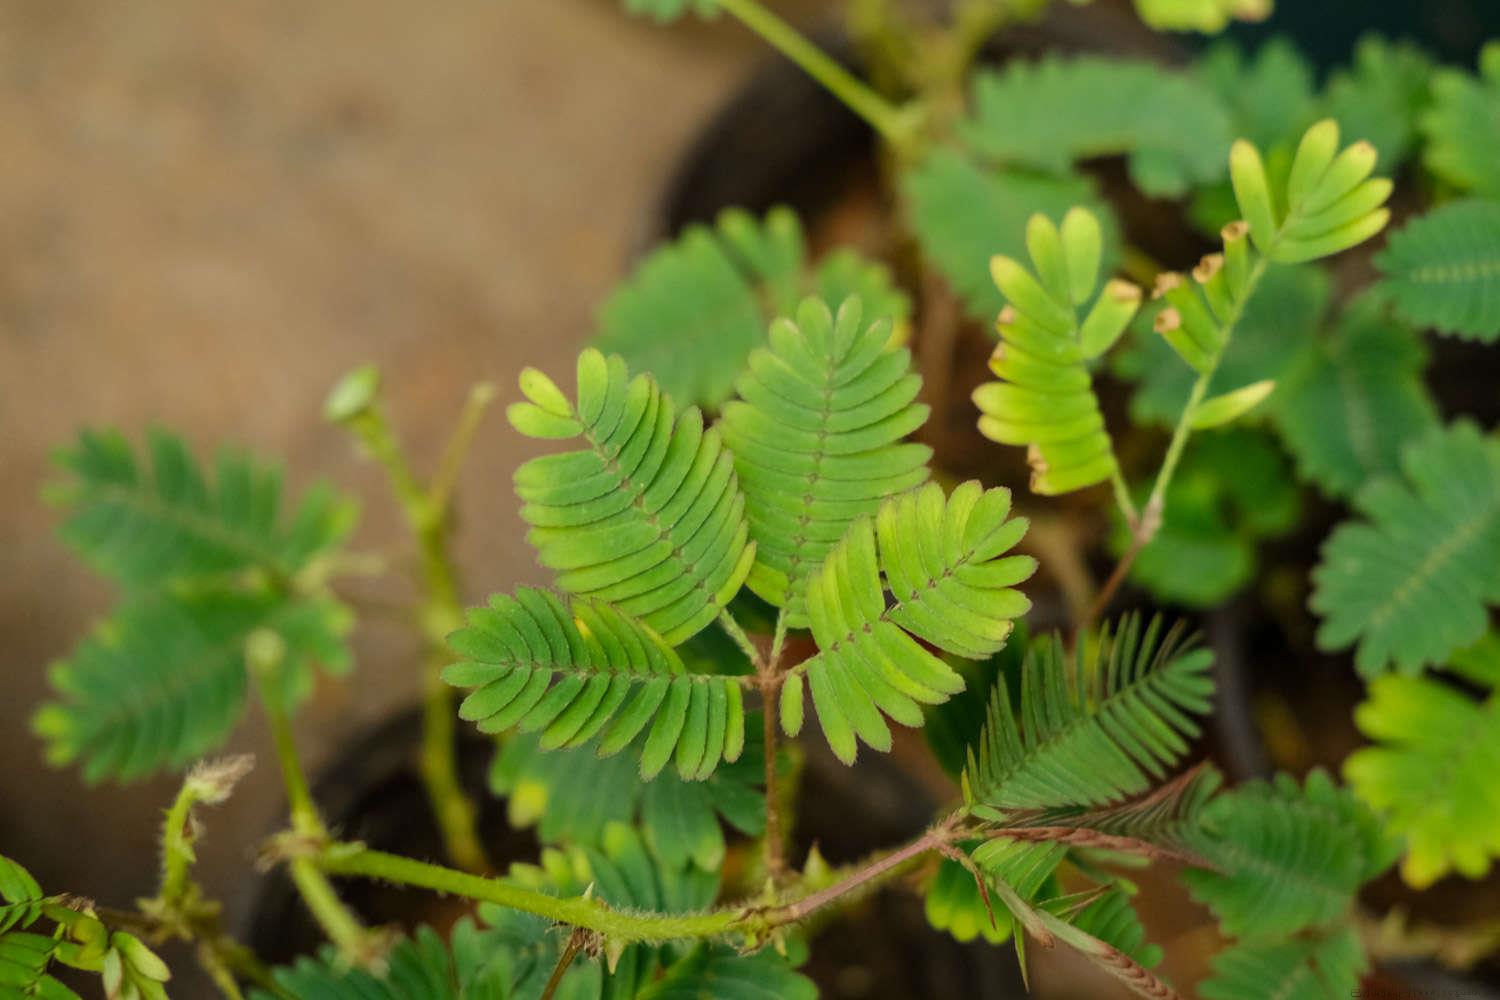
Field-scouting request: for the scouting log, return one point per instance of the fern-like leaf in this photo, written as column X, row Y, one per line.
column 694, row 308
column 1286, row 857
column 963, row 215
column 1049, row 114
column 1304, row 968
column 145, row 526
column 591, row 670
column 1463, row 135
column 1443, row 270
column 1046, row 400
column 20, row 897
column 1092, row 731
column 163, row 681
column 1432, row 774
column 24, row 961
column 1411, row 581
column 720, row 972
column 648, row 515
column 1381, row 96
column 817, row 440
column 1270, row 94
column 945, row 564
column 1355, row 400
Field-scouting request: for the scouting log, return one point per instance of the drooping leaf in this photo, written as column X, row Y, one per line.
column 1045, row 399
column 1432, row 774
column 648, row 514
column 163, row 681
column 963, row 215
column 148, row 524
column 1462, row 131
column 1049, row 114
column 817, row 437
column 1411, row 579
column 1286, row 856
column 1091, row 730
column 1349, row 409
column 1303, row 968
column 944, row 561
column 574, row 673
column 1442, row 270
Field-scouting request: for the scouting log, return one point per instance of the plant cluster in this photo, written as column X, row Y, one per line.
column 746, row 529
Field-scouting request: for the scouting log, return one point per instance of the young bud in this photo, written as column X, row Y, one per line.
column 1168, row 323
column 1236, row 258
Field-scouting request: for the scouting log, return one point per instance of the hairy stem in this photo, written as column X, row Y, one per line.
column 176, row 851
column 1145, row 527
column 336, row 920
column 591, row 914
column 883, row 116
column 427, row 514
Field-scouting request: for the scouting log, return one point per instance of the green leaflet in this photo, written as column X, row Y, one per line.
column 1206, row 16
column 1270, row 95
column 511, row 954
column 963, row 215
column 1233, row 490
column 1045, row 398
column 1463, row 135
column 572, row 674
column 1091, row 731
column 1303, row 968
column 944, row 561
column 1432, row 773
column 20, row 897
column 163, row 681
column 146, row 526
column 1411, row 579
column 573, row 795
column 1049, row 114
column 953, row 726
column 1286, row 857
column 648, row 515
column 694, row 308
column 817, row 437
column 1280, row 320
column 1442, row 270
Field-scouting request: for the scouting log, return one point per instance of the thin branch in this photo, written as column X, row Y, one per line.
column 1085, row 837
column 775, row 847
column 569, row 952
column 440, row 491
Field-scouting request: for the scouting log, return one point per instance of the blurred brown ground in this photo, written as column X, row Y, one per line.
column 208, row 212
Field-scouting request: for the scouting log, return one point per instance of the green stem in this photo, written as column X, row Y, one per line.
column 426, row 513
column 338, row 923
column 886, row 118
column 176, row 851
column 1122, row 498
column 589, row 913
column 737, row 632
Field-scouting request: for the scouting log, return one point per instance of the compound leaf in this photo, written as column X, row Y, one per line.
column 648, row 515
column 1442, row 270
column 1092, row 730
column 592, row 670
column 1462, row 131
column 1301, row 968
column 817, row 436
column 148, row 524
column 163, row 681
column 1381, row 95
column 718, row 971
column 1048, row 114
column 1432, row 774
column 1285, row 857
column 944, row 561
column 1411, row 580
column 963, row 215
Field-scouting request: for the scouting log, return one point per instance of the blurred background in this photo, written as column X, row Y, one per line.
column 208, row 212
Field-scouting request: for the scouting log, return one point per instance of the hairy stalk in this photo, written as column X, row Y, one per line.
column 337, row 921
column 894, row 125
column 427, row 514
column 587, row 913
column 176, row 851
column 1145, row 527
